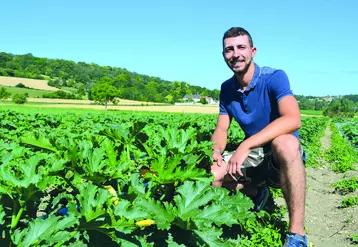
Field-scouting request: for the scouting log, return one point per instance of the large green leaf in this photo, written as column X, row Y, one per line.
column 40, row 231
column 92, row 201
column 125, row 209
column 191, row 197
column 41, row 142
column 212, row 238
column 162, row 214
column 167, row 170
column 22, row 174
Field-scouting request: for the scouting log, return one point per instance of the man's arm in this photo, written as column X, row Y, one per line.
column 288, row 122
column 220, row 134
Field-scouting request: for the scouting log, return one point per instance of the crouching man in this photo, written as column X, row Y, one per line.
column 261, row 101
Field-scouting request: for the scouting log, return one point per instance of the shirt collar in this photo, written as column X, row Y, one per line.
column 257, row 73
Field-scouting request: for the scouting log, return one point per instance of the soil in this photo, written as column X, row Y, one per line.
column 326, row 223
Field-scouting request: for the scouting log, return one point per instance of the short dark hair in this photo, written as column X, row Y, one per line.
column 238, row 31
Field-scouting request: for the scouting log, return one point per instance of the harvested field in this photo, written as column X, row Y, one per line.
column 173, row 109
column 31, row 83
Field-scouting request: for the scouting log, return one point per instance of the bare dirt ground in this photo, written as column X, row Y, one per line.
column 328, row 225
column 31, row 83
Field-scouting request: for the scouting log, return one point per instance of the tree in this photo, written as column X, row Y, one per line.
column 104, row 92
column 169, row 98
column 203, row 101
column 4, row 94
column 20, row 85
column 340, row 108
column 19, row 98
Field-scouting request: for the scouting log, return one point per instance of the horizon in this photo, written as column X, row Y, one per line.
column 182, row 41
column 322, row 96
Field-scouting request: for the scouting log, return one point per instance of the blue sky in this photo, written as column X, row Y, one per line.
column 315, row 42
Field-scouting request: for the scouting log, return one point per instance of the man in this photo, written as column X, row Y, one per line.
column 261, row 101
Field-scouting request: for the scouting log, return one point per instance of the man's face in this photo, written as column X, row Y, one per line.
column 238, row 53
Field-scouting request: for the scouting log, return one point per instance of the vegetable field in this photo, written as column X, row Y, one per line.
column 351, row 131
column 125, row 180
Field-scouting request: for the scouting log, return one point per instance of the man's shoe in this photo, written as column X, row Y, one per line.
column 295, row 240
column 260, row 199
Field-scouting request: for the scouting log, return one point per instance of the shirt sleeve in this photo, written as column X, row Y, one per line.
column 279, row 85
column 223, row 110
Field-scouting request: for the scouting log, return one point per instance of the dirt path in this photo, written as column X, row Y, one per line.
column 327, row 225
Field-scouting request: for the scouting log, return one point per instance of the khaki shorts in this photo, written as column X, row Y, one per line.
column 259, row 168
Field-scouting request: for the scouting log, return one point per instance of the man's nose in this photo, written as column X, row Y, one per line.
column 236, row 52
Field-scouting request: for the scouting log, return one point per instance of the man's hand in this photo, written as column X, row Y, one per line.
column 217, row 157
column 236, row 161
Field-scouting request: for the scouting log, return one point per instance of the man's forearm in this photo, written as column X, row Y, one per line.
column 219, row 138
column 281, row 126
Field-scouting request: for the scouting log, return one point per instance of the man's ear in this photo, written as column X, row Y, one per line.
column 253, row 51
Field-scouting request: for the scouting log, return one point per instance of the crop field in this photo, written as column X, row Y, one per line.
column 33, row 93
column 124, row 105
column 31, row 83
column 125, row 179
column 351, row 131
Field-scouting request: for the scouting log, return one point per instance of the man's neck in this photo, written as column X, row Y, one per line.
column 245, row 78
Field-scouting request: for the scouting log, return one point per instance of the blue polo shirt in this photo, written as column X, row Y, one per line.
column 256, row 106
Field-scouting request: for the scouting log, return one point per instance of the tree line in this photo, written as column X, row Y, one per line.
column 85, row 76
column 105, row 83
column 332, row 106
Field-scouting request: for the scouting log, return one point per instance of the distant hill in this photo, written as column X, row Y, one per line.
column 83, row 76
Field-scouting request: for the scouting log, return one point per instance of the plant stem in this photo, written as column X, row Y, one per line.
column 18, row 216
column 128, row 154
column 14, row 212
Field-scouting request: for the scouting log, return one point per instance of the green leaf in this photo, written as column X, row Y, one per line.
column 172, row 243
column 144, row 242
column 124, row 209
column 92, row 200
column 22, row 174
column 162, row 215
column 50, row 230
column 76, row 244
column 178, row 139
column 238, row 204
column 110, row 151
column 136, row 186
column 41, row 142
column 169, row 170
column 212, row 238
column 192, row 196
column 95, row 161
column 216, row 214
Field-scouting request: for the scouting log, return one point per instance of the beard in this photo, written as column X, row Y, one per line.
column 243, row 70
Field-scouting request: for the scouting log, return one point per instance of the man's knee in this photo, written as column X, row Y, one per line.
column 286, row 147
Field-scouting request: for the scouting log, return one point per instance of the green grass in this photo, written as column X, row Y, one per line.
column 69, row 89
column 33, row 93
column 38, row 109
column 311, row 112
column 32, row 108
column 74, row 91
column 350, row 201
